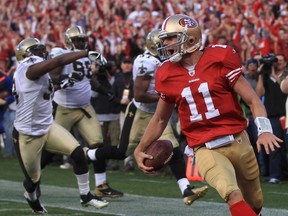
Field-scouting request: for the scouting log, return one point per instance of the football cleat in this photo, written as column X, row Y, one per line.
column 274, row 181
column 36, row 206
column 104, row 190
column 129, row 164
column 91, row 200
column 191, row 194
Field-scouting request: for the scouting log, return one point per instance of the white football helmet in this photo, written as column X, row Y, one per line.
column 153, row 42
column 76, row 38
column 189, row 37
column 29, row 47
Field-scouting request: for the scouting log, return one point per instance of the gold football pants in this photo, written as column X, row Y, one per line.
column 231, row 168
column 56, row 140
column 82, row 119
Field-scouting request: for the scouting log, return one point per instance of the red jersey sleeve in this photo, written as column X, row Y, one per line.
column 231, row 61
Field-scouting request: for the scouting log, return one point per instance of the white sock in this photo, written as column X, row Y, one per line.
column 91, row 153
column 182, row 183
column 83, row 183
column 100, row 178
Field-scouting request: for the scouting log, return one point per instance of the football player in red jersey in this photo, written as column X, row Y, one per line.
column 204, row 84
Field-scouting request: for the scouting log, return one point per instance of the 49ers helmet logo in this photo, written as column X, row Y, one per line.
column 189, row 22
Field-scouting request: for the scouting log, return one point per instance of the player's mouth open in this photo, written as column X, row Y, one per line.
column 170, row 51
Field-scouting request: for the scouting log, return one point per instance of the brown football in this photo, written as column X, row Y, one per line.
column 162, row 152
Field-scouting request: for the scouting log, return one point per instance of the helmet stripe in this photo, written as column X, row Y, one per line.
column 165, row 23
column 80, row 29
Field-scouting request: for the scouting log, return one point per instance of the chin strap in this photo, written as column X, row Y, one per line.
column 175, row 58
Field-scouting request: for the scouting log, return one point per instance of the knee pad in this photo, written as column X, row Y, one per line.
column 80, row 165
column 78, row 155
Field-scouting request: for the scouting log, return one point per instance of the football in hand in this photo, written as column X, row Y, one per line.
column 162, row 152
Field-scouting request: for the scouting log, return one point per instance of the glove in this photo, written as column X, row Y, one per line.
column 76, row 76
column 68, row 80
column 97, row 58
column 66, row 83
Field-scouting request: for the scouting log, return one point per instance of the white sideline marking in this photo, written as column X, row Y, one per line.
column 129, row 205
column 151, row 181
column 282, row 193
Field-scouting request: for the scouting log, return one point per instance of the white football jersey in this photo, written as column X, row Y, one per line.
column 146, row 65
column 79, row 94
column 33, row 100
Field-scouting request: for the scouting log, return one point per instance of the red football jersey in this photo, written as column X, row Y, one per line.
column 207, row 104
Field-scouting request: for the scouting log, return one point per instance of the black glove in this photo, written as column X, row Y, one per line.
column 66, row 83
column 68, row 80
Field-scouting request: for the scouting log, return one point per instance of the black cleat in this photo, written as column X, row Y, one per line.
column 36, row 206
column 91, row 200
column 105, row 190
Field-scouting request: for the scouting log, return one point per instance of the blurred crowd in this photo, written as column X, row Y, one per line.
column 118, row 28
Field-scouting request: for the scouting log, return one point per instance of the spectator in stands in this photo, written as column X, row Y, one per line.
column 107, row 111
column 251, row 75
column 6, row 98
column 123, row 86
column 268, row 85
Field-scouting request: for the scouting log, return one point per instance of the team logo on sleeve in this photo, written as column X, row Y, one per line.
column 190, row 23
column 142, row 69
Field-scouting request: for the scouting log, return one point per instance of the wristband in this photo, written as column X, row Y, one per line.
column 263, row 125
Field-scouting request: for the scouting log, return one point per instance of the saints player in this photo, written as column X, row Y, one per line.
column 34, row 128
column 74, row 108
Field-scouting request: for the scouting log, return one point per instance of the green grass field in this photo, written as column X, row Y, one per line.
column 144, row 195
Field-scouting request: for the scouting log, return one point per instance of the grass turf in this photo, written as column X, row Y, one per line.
column 275, row 196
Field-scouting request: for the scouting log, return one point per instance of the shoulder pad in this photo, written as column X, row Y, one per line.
column 146, row 65
column 56, row 51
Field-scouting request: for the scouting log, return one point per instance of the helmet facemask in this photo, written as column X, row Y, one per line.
column 37, row 50
column 79, row 42
column 173, row 50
